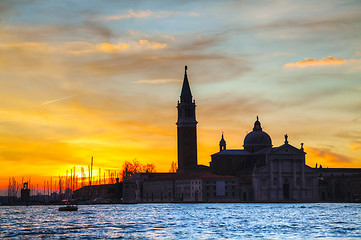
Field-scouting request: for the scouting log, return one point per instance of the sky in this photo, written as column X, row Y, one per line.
column 102, row 78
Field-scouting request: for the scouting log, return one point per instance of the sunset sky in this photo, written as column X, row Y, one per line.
column 102, row 78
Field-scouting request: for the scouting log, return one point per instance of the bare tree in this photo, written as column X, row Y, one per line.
column 173, row 167
column 149, row 168
column 136, row 167
column 13, row 189
column 127, row 167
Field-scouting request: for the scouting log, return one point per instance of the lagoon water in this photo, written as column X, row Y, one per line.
column 184, row 221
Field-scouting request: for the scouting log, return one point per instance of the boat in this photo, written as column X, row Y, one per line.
column 69, row 208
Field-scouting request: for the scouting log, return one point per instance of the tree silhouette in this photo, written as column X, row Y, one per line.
column 136, row 167
column 173, row 167
column 149, row 168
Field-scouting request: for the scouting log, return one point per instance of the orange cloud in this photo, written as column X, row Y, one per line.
column 75, row 47
column 107, row 47
column 81, row 47
column 152, row 45
column 141, row 44
column 26, row 45
column 326, row 157
column 355, row 147
column 316, row 62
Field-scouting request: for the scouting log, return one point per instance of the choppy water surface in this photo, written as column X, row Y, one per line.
column 184, row 221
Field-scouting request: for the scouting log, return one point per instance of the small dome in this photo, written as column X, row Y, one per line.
column 257, row 139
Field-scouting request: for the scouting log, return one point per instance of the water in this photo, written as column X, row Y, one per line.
column 184, row 221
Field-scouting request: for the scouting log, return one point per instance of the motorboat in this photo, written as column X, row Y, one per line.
column 69, row 208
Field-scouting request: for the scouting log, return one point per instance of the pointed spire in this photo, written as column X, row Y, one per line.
column 222, row 140
column 186, row 95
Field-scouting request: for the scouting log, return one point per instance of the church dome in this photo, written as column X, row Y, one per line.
column 257, row 139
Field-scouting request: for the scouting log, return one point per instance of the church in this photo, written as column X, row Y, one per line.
column 260, row 172
column 275, row 173
column 268, row 173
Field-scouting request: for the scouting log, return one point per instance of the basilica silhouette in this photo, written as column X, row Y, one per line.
column 260, row 172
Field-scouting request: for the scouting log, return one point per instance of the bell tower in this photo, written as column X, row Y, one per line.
column 186, row 128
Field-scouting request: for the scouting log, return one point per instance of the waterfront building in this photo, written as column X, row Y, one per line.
column 158, row 190
column 181, row 187
column 339, row 184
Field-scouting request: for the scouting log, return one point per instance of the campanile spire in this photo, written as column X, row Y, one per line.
column 186, row 94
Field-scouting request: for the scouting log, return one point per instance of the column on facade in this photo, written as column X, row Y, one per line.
column 302, row 179
column 303, row 174
column 270, row 171
column 294, row 178
column 270, row 187
column 279, row 179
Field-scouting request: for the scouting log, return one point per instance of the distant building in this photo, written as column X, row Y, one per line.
column 100, row 193
column 339, row 184
column 181, row 187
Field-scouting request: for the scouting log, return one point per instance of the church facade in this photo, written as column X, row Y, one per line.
column 274, row 173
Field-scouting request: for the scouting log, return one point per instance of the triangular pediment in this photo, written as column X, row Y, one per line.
column 287, row 149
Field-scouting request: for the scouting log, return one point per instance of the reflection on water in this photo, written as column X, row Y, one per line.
column 184, row 221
